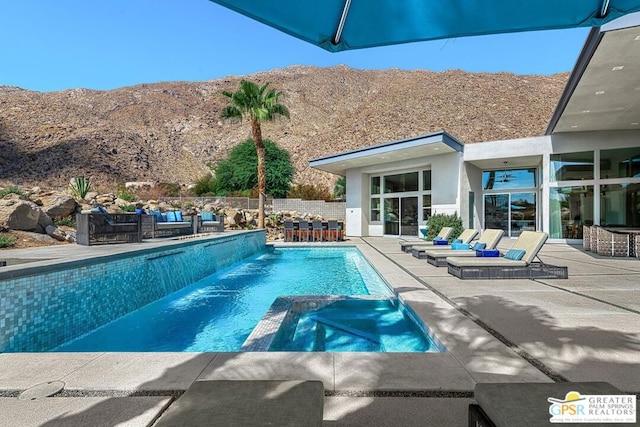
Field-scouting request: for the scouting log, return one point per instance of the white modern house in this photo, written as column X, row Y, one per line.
column 584, row 170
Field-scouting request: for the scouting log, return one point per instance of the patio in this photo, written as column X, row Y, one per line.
column 585, row 328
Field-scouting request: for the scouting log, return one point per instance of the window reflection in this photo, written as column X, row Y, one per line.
column 569, row 209
column 401, row 182
column 509, row 178
column 570, row 166
column 620, row 163
column 620, row 205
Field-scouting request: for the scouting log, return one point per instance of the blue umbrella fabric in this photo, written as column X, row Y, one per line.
column 337, row 25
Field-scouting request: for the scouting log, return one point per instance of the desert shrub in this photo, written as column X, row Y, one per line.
column 127, row 208
column 68, row 222
column 437, row 221
column 310, row 192
column 169, row 189
column 125, row 194
column 11, row 190
column 205, row 185
column 79, row 186
column 6, row 240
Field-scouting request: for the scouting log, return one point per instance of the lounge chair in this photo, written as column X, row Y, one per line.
column 517, row 263
column 444, row 234
column 465, row 238
column 438, row 257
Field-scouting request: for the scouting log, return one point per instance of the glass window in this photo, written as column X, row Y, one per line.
column 426, row 207
column 620, row 163
column 401, row 182
column 569, row 209
column 426, row 180
column 620, row 205
column 375, row 185
column 509, row 178
column 571, row 166
column 375, row 209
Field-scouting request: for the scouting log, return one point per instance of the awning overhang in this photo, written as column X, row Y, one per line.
column 432, row 144
column 337, row 25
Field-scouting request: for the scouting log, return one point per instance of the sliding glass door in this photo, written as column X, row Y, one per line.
column 511, row 212
column 401, row 216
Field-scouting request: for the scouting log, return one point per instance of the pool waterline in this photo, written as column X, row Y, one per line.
column 218, row 312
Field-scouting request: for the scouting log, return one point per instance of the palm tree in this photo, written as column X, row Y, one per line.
column 260, row 104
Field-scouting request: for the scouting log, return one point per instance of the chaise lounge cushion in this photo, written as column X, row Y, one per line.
column 515, row 254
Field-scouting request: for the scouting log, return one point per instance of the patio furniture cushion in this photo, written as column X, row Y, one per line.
column 459, row 246
column 477, row 246
column 171, row 216
column 457, row 241
column 515, row 254
column 158, row 215
column 487, row 253
column 207, row 216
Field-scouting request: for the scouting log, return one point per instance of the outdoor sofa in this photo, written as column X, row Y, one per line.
column 438, row 257
column 517, row 263
column 208, row 222
column 465, row 238
column 99, row 227
column 444, row 234
column 162, row 224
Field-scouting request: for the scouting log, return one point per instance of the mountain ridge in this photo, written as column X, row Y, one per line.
column 170, row 131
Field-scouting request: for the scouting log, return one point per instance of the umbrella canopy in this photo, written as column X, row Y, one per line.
column 337, row 25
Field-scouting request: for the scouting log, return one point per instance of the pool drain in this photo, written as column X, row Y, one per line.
column 40, row 391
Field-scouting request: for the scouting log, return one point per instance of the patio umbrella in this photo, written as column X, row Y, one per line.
column 337, row 25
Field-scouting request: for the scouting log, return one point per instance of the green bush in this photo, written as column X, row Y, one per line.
column 205, row 186
column 128, row 208
column 68, row 222
column 6, row 240
column 11, row 190
column 340, row 188
column 310, row 192
column 437, row 221
column 238, row 172
column 125, row 194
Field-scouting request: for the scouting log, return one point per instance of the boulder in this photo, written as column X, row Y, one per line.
column 18, row 214
column 44, row 221
column 59, row 206
column 104, row 199
column 56, row 233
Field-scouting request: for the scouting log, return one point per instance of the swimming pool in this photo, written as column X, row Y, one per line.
column 218, row 312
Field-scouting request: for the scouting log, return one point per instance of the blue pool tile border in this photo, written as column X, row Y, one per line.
column 43, row 306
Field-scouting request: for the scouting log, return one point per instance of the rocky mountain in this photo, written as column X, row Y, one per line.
column 169, row 132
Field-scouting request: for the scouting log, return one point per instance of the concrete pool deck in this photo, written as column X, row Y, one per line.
column 585, row 328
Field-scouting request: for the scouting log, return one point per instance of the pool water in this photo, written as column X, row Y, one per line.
column 367, row 325
column 218, row 312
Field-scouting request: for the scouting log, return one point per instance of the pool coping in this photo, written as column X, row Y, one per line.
column 452, row 372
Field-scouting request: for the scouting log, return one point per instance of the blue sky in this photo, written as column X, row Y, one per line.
column 54, row 45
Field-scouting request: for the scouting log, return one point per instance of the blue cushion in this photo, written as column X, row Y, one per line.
column 206, row 216
column 158, row 215
column 515, row 254
column 140, row 211
column 179, row 216
column 441, row 242
column 457, row 241
column 479, row 246
column 459, row 246
column 171, row 216
column 488, row 253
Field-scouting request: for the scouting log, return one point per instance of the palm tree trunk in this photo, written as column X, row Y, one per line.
column 262, row 182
